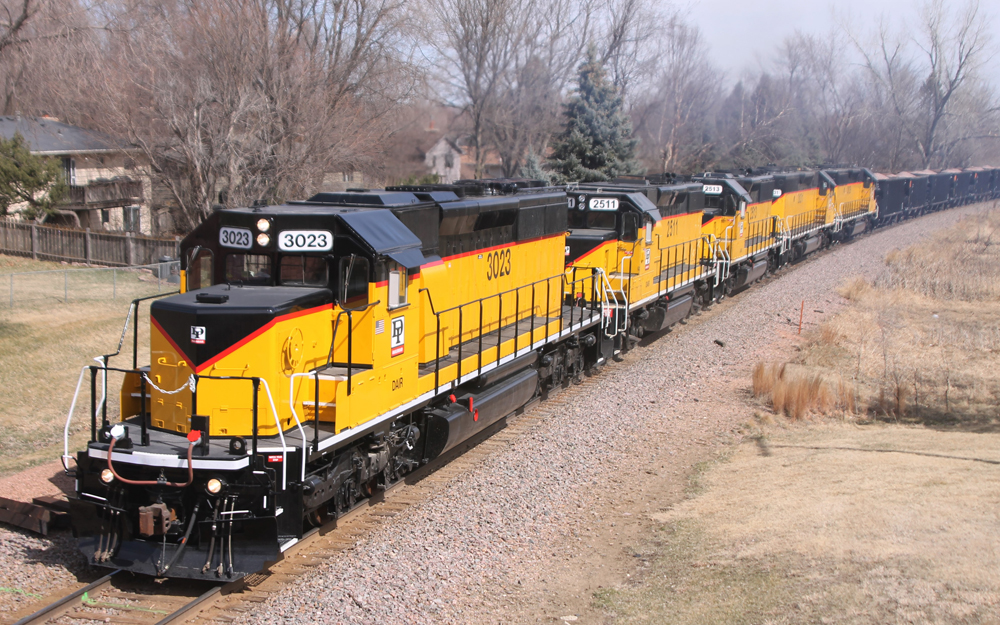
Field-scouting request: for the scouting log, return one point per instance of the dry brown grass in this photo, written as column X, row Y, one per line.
column 797, row 392
column 43, row 344
column 827, row 527
column 922, row 341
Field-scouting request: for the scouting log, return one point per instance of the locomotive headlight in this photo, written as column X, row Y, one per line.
column 263, row 239
column 263, row 225
column 214, row 486
column 107, row 476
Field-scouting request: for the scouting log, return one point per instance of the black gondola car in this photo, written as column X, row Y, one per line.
column 891, row 194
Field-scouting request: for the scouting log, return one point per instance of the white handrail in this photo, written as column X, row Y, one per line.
column 69, row 418
column 291, row 406
column 281, row 435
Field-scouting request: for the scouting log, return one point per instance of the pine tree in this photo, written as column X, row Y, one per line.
column 532, row 169
column 597, row 142
column 28, row 179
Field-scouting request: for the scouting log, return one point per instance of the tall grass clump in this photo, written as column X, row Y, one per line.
column 795, row 391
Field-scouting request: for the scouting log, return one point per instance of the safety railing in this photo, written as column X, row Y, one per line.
column 681, row 263
column 145, row 415
column 444, row 344
column 349, row 365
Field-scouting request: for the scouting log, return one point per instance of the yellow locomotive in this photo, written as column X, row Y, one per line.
column 320, row 351
column 644, row 239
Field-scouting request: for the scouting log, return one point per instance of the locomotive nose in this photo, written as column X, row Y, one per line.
column 206, row 324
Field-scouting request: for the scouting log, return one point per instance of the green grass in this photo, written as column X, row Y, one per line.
column 45, row 341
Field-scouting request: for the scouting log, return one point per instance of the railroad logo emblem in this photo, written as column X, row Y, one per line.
column 198, row 335
column 396, row 339
column 647, row 257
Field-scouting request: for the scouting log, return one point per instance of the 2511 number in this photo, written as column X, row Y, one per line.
column 498, row 264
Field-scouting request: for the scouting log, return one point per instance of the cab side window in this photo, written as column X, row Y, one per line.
column 397, row 285
column 630, row 227
column 353, row 281
column 199, row 272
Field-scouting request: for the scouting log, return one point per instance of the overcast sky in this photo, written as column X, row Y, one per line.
column 742, row 34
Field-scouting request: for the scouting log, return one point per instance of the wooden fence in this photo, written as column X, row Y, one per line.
column 49, row 243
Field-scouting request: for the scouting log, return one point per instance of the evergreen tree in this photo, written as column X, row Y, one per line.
column 28, row 179
column 597, row 142
column 532, row 169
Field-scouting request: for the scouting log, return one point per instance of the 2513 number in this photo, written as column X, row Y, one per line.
column 498, row 264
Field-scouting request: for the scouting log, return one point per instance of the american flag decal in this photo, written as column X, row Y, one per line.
column 380, row 326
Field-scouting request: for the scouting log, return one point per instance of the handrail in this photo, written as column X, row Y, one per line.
column 350, row 337
column 255, row 380
column 564, row 282
column 104, row 359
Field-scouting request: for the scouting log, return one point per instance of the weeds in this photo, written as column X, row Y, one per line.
column 919, row 342
column 796, row 392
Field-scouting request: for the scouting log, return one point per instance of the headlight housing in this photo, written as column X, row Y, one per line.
column 263, row 225
column 263, row 239
column 107, row 476
column 214, row 486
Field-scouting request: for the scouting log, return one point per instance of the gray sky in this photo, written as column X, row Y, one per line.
column 742, row 34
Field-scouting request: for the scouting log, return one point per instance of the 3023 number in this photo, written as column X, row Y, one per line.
column 498, row 264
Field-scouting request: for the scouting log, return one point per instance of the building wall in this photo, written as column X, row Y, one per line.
column 445, row 161
column 93, row 167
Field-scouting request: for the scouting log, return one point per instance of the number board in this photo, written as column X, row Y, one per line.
column 603, row 204
column 236, row 237
column 305, row 241
column 713, row 189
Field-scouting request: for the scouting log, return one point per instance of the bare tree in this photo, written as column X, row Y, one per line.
column 237, row 101
column 953, row 51
column 475, row 43
column 671, row 119
column 527, row 106
column 922, row 89
column 627, row 43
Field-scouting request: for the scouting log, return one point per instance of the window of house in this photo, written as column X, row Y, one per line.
column 449, row 160
column 69, row 170
column 130, row 217
column 301, row 270
column 248, row 269
column 105, row 215
column 348, row 176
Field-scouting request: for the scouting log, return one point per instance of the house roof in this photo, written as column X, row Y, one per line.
column 49, row 136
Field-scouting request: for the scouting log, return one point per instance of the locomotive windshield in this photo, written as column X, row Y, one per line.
column 301, row 270
column 596, row 220
column 248, row 269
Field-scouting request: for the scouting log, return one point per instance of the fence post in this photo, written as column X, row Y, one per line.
column 34, row 242
column 130, row 245
column 86, row 246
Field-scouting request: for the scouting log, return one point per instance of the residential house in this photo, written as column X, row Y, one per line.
column 108, row 187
